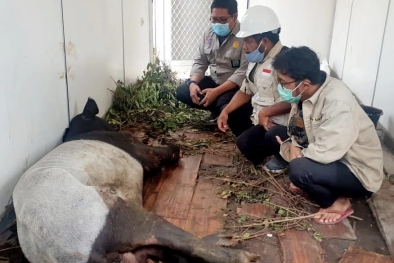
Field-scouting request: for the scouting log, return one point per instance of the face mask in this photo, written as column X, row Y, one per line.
column 255, row 56
column 221, row 29
column 287, row 94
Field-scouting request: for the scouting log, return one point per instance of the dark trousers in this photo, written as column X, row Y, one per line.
column 239, row 120
column 183, row 95
column 325, row 182
column 256, row 143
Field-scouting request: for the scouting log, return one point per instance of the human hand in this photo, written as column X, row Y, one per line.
column 194, row 92
column 222, row 121
column 265, row 120
column 295, row 152
column 210, row 96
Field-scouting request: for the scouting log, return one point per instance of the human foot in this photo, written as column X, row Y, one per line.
column 338, row 211
column 295, row 190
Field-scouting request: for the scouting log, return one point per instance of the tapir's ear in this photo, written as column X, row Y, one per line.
column 90, row 109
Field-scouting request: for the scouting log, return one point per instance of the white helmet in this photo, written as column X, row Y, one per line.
column 258, row 19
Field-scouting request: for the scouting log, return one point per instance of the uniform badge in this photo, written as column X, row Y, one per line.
column 236, row 44
column 235, row 63
column 208, row 40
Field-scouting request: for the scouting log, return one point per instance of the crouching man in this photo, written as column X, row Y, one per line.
column 333, row 150
column 257, row 110
column 221, row 51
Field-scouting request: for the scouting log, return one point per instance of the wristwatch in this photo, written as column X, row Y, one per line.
column 190, row 82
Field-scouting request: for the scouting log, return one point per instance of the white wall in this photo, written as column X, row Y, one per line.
column 340, row 35
column 384, row 94
column 33, row 80
column 94, row 49
column 363, row 47
column 304, row 22
column 362, row 52
column 137, row 37
column 33, row 100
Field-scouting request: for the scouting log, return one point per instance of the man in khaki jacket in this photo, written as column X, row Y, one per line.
column 222, row 51
column 258, row 103
column 333, row 150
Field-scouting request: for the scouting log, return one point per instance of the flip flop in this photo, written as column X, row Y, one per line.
column 344, row 214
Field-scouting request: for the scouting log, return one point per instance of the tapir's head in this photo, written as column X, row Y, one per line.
column 87, row 121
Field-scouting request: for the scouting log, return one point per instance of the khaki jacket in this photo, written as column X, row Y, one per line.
column 265, row 86
column 338, row 129
column 227, row 62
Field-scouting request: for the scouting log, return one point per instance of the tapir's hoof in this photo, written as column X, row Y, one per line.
column 221, row 240
column 246, row 257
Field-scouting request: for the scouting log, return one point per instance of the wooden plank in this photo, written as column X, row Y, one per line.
column 175, row 192
column 383, row 211
column 205, row 216
column 186, row 171
column 151, row 189
column 213, row 159
column 255, row 211
column 300, row 247
column 173, row 200
column 359, row 255
column 267, row 247
column 334, row 248
column 342, row 230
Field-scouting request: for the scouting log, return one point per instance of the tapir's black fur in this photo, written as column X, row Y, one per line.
column 128, row 227
column 87, row 126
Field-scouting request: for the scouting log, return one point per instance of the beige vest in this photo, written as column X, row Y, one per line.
column 265, row 86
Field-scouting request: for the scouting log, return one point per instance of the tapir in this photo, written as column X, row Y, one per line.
column 82, row 202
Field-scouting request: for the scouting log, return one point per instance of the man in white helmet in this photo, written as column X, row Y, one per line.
column 258, row 99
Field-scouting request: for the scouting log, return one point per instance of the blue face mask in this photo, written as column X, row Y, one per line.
column 255, row 56
column 287, row 94
column 221, row 29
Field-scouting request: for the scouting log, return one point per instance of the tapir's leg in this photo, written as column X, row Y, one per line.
column 130, row 228
column 151, row 158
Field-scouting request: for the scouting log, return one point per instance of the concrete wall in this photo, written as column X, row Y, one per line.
column 36, row 76
column 304, row 22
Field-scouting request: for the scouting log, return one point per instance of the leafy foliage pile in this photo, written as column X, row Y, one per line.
column 151, row 102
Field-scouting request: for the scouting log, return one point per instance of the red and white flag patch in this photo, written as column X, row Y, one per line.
column 267, row 72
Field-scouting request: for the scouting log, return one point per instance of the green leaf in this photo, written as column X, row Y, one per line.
column 245, row 235
column 318, row 237
column 242, row 219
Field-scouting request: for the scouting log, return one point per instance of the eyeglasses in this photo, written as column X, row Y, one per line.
column 220, row 20
column 286, row 83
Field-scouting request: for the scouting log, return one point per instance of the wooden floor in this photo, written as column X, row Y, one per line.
column 192, row 203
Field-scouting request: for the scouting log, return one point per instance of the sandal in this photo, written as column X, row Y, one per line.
column 344, row 214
